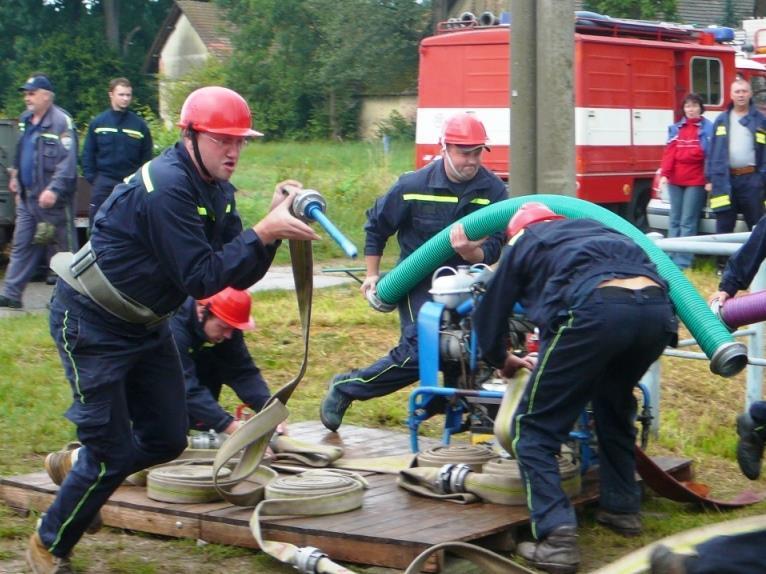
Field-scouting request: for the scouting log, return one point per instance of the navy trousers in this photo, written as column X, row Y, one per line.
column 596, row 354
column 736, row 554
column 100, row 190
column 397, row 369
column 746, row 198
column 128, row 405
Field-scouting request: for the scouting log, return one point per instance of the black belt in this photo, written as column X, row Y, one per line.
column 615, row 292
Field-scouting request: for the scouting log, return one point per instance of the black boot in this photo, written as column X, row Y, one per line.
column 557, row 553
column 750, row 446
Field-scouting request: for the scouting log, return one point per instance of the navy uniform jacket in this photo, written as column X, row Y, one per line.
column 168, row 234
column 743, row 265
column 422, row 203
column 55, row 162
column 550, row 268
column 207, row 366
column 116, row 145
column 717, row 158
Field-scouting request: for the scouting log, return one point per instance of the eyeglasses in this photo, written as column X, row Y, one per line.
column 227, row 141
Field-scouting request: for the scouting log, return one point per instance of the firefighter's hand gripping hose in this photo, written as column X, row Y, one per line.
column 309, row 205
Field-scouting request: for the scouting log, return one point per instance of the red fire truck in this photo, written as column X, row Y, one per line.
column 630, row 78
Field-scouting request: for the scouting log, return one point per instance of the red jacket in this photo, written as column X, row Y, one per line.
column 683, row 161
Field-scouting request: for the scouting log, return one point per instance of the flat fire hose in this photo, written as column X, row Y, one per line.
column 665, row 485
column 498, row 482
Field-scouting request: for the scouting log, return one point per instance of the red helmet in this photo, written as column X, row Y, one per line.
column 219, row 111
column 529, row 213
column 231, row 306
column 464, row 129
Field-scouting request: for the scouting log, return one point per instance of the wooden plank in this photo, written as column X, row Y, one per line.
column 390, row 529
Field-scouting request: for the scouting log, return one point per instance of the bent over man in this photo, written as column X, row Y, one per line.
column 171, row 232
column 416, row 208
column 208, row 334
column 604, row 317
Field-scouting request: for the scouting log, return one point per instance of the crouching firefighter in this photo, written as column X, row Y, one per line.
column 604, row 317
column 209, row 337
column 170, row 232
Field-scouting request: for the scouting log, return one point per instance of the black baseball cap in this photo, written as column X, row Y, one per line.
column 39, row 82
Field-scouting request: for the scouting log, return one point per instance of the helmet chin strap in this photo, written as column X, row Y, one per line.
column 197, row 156
column 451, row 166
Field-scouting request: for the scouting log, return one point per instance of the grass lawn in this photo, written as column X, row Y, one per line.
column 697, row 417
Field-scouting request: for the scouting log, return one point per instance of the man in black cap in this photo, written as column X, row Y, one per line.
column 43, row 179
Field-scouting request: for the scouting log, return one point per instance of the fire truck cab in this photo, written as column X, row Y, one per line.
column 630, row 78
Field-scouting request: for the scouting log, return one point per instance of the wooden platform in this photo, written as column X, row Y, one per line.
column 391, row 528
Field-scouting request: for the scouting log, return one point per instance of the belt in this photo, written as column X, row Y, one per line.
column 742, row 170
column 612, row 292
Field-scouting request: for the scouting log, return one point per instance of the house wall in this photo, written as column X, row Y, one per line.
column 377, row 109
column 183, row 51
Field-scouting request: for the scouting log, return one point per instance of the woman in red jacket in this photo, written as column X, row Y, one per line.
column 683, row 171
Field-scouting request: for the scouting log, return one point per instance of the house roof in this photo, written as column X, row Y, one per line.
column 208, row 21
column 705, row 12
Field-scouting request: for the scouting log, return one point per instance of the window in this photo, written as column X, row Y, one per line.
column 759, row 91
column 707, row 80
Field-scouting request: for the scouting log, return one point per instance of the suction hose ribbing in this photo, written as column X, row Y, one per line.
column 727, row 357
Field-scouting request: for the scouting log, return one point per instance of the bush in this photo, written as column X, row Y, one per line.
column 396, row 127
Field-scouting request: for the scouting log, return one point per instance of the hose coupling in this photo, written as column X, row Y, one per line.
column 451, row 479
column 729, row 359
column 377, row 303
column 307, row 558
column 305, row 201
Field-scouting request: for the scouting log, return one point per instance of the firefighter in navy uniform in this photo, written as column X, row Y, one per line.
column 604, row 317
column 418, row 206
column 735, row 164
column 209, row 338
column 118, row 142
column 171, row 232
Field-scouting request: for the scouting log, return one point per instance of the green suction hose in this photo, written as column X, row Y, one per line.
column 727, row 357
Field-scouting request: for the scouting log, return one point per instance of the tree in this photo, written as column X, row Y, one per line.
column 635, row 9
column 304, row 63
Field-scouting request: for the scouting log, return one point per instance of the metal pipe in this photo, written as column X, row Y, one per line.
column 683, row 245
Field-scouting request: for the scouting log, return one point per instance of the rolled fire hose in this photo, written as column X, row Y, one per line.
column 473, row 456
column 727, row 357
column 316, row 492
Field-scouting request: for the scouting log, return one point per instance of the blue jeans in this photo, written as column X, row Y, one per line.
column 686, row 205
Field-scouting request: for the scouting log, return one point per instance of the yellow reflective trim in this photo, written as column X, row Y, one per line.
column 720, row 201
column 133, row 133
column 436, row 198
column 201, row 210
column 760, row 137
column 720, row 130
column 102, row 130
column 228, row 208
column 147, row 178
column 480, row 201
column 49, row 136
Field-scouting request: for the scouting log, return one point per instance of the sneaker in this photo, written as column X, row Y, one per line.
column 749, row 447
column 57, row 465
column 43, row 562
column 625, row 523
column 557, row 553
column 664, row 561
column 333, row 407
column 10, row 303
column 51, row 278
